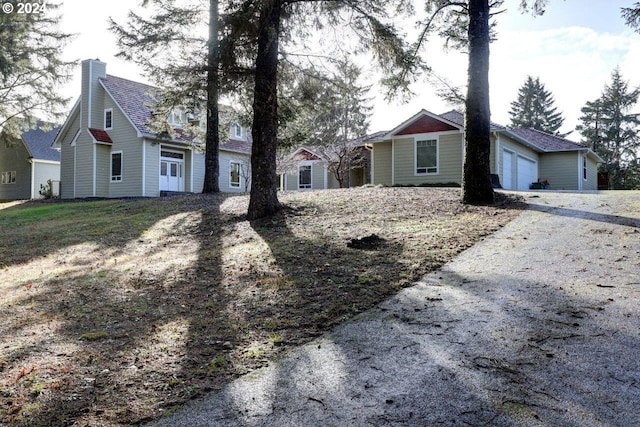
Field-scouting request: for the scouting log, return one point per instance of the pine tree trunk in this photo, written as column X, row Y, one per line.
column 476, row 179
column 263, row 200
column 212, row 139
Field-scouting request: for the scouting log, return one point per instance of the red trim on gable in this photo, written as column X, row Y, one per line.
column 100, row 135
column 306, row 155
column 425, row 124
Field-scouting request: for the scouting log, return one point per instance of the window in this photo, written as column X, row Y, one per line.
column 8, row 177
column 108, row 119
column 426, row 156
column 304, row 176
column 116, row 166
column 237, row 130
column 584, row 168
column 234, row 175
column 176, row 118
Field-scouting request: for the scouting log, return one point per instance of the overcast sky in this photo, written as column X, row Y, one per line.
column 572, row 48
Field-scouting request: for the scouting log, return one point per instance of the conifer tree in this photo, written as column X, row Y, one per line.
column 31, row 68
column 611, row 128
column 534, row 108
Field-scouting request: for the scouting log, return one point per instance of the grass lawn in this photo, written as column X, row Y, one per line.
column 115, row 312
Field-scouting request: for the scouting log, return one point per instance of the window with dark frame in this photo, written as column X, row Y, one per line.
column 304, row 176
column 116, row 167
column 234, row 175
column 108, row 119
column 584, row 168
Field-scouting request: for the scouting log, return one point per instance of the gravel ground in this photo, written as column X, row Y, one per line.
column 537, row 325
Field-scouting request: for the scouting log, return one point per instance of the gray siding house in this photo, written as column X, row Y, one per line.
column 429, row 148
column 108, row 150
column 29, row 162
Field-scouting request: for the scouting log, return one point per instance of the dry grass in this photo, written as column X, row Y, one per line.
column 117, row 311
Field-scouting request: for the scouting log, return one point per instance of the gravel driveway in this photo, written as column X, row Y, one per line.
column 537, row 325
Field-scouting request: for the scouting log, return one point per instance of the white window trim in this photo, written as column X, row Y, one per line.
column 234, row 127
column 235, row 162
column 426, row 137
column 310, row 164
column 121, row 167
column 585, row 174
column 108, row 110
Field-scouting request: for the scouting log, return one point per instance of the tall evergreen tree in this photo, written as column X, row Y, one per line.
column 31, row 69
column 280, row 20
column 184, row 65
column 467, row 25
column 611, row 129
column 631, row 16
column 534, row 108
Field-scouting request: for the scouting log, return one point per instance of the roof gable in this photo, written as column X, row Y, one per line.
column 38, row 142
column 133, row 98
column 423, row 122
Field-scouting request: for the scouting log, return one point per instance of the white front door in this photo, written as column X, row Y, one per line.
column 507, row 182
column 171, row 176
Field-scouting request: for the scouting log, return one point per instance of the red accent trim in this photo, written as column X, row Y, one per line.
column 425, row 124
column 100, row 135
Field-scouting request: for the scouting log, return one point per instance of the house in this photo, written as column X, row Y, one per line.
column 28, row 162
column 428, row 148
column 314, row 167
column 108, row 150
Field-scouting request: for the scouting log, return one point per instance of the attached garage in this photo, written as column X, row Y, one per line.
column 527, row 173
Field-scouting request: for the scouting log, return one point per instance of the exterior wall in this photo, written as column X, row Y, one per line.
column 84, row 165
column 381, row 161
column 66, row 158
column 42, row 172
column 492, row 154
column 15, row 157
column 332, row 181
column 103, row 169
column 125, row 139
column 591, row 184
column 449, row 160
column 317, row 176
column 225, row 158
column 151, row 154
column 560, row 169
column 198, row 170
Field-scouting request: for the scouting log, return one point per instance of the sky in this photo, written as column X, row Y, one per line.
column 572, row 48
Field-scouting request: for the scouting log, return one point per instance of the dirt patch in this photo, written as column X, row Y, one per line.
column 115, row 312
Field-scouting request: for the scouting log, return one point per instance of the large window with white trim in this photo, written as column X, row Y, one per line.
column 304, row 176
column 116, row 166
column 426, row 156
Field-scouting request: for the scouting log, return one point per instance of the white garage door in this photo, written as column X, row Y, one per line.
column 527, row 173
column 507, row 182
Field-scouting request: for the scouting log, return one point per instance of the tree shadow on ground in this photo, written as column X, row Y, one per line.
column 344, row 282
column 137, row 337
column 594, row 216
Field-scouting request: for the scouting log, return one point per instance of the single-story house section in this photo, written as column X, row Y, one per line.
column 312, row 167
column 29, row 162
column 108, row 150
column 429, row 149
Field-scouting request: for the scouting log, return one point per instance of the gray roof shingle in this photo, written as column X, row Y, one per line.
column 457, row 117
column 38, row 142
column 546, row 141
column 134, row 98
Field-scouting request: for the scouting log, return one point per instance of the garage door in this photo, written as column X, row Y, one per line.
column 507, row 182
column 527, row 173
